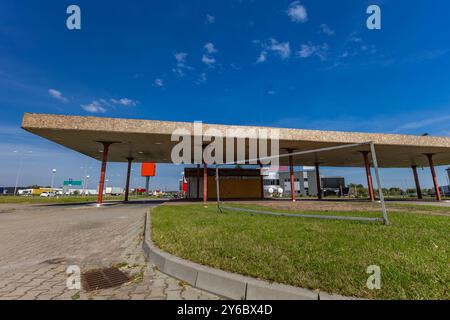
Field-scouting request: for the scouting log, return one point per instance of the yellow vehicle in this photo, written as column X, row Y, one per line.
column 37, row 192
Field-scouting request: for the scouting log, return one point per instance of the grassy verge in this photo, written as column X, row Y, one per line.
column 413, row 253
column 430, row 208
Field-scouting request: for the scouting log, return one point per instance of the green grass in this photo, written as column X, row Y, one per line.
column 413, row 252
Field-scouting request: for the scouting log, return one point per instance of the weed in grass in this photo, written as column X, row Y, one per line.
column 76, row 296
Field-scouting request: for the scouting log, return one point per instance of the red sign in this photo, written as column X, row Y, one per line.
column 148, row 169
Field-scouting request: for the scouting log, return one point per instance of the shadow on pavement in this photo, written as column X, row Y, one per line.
column 104, row 204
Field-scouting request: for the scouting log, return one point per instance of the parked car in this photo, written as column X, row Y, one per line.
column 48, row 194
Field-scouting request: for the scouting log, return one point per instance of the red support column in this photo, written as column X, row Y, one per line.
column 198, row 181
column 319, row 188
column 127, row 185
column 262, row 181
column 416, row 180
column 101, row 183
column 291, row 170
column 369, row 175
column 205, row 183
column 433, row 175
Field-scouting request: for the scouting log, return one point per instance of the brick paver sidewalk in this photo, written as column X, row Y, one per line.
column 38, row 243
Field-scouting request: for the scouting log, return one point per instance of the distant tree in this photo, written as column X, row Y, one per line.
column 359, row 189
column 395, row 191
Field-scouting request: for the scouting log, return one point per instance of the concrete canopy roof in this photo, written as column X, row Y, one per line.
column 150, row 141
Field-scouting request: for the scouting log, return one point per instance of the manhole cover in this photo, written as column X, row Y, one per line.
column 103, row 278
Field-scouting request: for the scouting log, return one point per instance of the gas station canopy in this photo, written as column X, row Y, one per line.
column 150, row 141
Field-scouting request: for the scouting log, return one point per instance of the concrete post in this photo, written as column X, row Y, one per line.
column 369, row 175
column 127, row 184
column 101, row 183
column 433, row 175
column 416, row 180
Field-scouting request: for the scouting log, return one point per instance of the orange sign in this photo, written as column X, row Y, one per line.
column 148, row 169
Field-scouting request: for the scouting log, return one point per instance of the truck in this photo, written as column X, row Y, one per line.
column 115, row 191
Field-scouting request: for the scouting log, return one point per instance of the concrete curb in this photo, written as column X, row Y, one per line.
column 225, row 284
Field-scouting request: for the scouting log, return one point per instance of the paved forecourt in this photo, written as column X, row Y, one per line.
column 39, row 242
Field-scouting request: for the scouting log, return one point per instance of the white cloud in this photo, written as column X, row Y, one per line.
column 57, row 95
column 283, row 49
column 209, row 47
column 308, row 50
column 202, row 78
column 262, row 57
column 297, row 12
column 158, row 82
column 271, row 92
column 354, row 37
column 181, row 66
column 94, row 107
column 326, row 29
column 207, row 57
column 124, row 102
column 423, row 122
column 208, row 60
column 180, row 57
column 210, row 18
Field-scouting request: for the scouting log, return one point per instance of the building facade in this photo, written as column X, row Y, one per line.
column 277, row 181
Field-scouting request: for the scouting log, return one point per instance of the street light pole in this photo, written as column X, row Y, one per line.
column 86, row 178
column 53, row 178
column 19, row 170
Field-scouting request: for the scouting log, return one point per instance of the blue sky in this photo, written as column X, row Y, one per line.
column 309, row 64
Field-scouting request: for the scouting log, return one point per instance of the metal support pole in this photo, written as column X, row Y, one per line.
column 205, row 184
column 319, row 188
column 291, row 171
column 369, row 175
column 218, row 189
column 127, row 184
column 147, row 185
column 101, row 183
column 262, row 181
column 433, row 175
column 416, row 180
column 380, row 189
